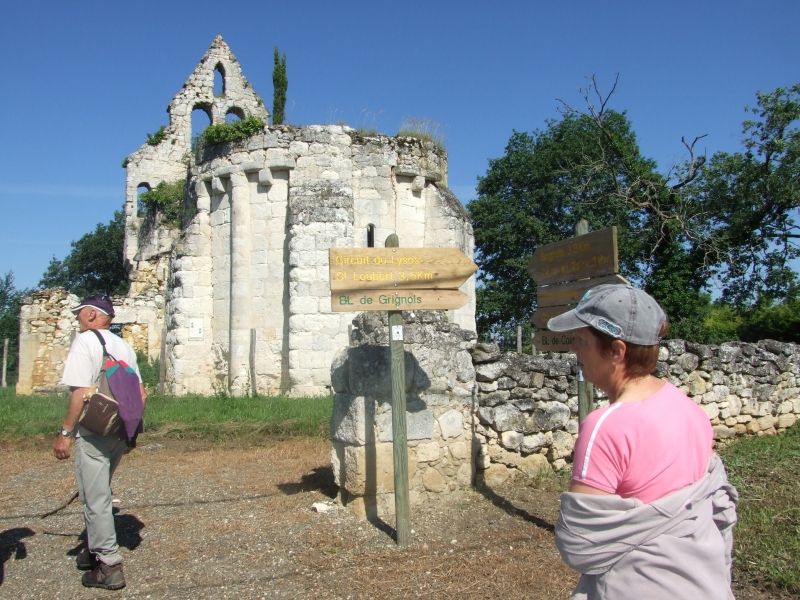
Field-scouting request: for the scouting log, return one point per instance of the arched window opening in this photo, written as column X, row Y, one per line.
column 141, row 207
column 234, row 115
column 219, row 80
column 201, row 118
column 370, row 236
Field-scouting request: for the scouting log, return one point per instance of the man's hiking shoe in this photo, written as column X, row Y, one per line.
column 86, row 560
column 108, row 578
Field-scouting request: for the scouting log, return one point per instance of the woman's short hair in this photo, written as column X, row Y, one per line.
column 639, row 360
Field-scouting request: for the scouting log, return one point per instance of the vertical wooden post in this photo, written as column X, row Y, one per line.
column 5, row 361
column 253, row 386
column 519, row 339
column 583, row 405
column 534, row 351
column 162, row 364
column 402, row 505
column 585, row 389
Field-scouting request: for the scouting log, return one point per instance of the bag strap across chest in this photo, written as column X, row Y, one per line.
column 102, row 379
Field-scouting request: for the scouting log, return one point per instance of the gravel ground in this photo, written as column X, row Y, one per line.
column 197, row 520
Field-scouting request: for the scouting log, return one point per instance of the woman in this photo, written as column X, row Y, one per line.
column 649, row 511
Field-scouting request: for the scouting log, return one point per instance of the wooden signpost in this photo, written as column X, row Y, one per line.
column 397, row 279
column 563, row 272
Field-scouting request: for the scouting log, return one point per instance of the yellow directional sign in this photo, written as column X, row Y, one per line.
column 398, row 268
column 553, row 341
column 589, row 255
column 362, row 300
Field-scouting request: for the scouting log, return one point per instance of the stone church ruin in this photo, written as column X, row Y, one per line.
column 240, row 289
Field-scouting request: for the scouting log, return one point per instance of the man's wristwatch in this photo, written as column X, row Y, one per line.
column 66, row 432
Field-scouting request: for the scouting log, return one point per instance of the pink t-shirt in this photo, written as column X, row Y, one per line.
column 644, row 449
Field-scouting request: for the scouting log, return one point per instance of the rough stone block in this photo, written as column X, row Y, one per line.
column 562, row 446
column 428, row 452
column 490, row 371
column 507, row 417
column 496, row 475
column 511, row 440
column 534, row 465
column 532, row 443
column 451, row 424
column 265, row 177
column 723, row 432
column 433, row 480
column 352, row 419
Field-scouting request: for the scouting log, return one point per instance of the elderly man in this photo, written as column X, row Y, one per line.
column 96, row 457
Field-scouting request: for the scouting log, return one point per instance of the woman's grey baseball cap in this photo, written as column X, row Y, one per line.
column 621, row 311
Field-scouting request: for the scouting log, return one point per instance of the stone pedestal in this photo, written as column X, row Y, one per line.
column 439, row 381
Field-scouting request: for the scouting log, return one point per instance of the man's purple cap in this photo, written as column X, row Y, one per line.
column 101, row 303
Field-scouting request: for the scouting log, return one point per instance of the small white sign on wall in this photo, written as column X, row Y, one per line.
column 195, row 329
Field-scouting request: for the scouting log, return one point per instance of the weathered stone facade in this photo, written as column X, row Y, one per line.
column 249, row 267
column 47, row 328
column 243, row 282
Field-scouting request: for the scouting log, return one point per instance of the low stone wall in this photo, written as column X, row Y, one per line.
column 48, row 326
column 527, row 405
column 439, row 395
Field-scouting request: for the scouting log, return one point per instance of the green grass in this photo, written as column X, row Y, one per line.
column 425, row 130
column 195, row 416
column 766, row 471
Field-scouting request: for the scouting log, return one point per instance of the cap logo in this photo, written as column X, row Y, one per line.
column 609, row 328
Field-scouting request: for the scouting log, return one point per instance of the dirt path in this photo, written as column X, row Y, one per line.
column 203, row 521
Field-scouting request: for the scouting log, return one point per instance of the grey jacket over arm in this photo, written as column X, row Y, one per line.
column 676, row 547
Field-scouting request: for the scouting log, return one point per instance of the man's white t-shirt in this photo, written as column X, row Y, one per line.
column 85, row 358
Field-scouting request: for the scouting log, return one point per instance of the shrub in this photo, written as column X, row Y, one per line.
column 229, row 132
column 157, row 137
column 167, row 200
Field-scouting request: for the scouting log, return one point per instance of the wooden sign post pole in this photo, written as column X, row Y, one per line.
column 402, row 505
column 5, row 361
column 585, row 389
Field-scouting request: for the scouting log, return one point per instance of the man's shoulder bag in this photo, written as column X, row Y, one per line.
column 100, row 410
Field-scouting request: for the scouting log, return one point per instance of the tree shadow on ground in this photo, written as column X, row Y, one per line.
column 128, row 533
column 509, row 507
column 319, row 479
column 11, row 545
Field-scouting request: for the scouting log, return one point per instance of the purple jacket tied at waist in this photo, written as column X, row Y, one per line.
column 124, row 384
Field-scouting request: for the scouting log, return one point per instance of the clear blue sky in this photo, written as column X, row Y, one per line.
column 81, row 84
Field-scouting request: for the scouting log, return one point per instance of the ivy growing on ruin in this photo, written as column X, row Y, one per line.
column 158, row 137
column 166, row 200
column 230, row 132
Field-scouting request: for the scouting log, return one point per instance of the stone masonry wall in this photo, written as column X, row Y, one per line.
column 439, row 384
column 254, row 255
column 48, row 326
column 528, row 405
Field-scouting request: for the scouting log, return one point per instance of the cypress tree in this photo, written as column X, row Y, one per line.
column 280, row 82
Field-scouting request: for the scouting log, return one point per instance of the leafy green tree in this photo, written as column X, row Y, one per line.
column 280, row 83
column 750, row 200
column 731, row 219
column 94, row 265
column 582, row 166
column 10, row 302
